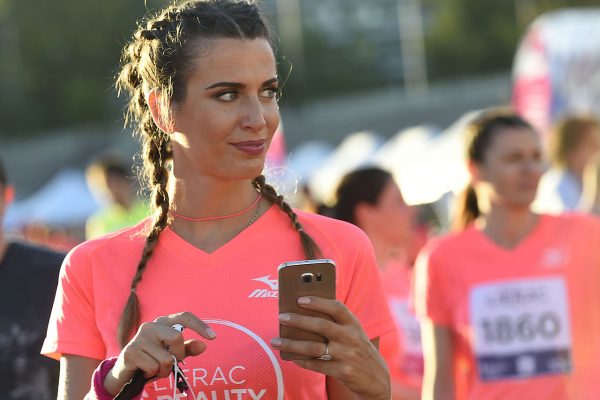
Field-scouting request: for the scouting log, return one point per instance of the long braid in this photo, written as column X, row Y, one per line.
column 157, row 153
column 310, row 247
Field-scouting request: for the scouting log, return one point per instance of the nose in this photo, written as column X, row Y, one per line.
column 535, row 166
column 253, row 115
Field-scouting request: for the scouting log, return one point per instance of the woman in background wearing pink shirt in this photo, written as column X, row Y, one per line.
column 510, row 302
column 203, row 86
column 370, row 199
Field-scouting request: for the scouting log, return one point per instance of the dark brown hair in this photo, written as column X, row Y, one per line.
column 361, row 186
column 161, row 55
column 480, row 135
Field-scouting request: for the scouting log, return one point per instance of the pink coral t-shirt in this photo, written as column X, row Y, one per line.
column 402, row 349
column 234, row 289
column 524, row 322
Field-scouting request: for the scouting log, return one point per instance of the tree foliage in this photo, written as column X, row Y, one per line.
column 58, row 61
column 58, row 58
column 467, row 37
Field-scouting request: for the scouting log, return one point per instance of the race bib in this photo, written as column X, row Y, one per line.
column 411, row 361
column 408, row 323
column 521, row 328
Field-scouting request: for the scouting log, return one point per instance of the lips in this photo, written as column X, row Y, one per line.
column 251, row 147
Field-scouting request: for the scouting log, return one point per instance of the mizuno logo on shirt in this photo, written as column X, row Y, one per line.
column 272, row 290
column 554, row 258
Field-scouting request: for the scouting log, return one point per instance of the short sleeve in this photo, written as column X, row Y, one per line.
column 431, row 299
column 360, row 287
column 72, row 327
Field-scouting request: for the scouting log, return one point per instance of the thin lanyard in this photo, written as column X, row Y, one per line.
column 180, row 382
column 136, row 385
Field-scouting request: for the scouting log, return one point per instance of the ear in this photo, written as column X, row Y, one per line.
column 474, row 171
column 158, row 111
column 9, row 194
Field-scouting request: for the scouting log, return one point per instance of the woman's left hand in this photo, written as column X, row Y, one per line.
column 355, row 361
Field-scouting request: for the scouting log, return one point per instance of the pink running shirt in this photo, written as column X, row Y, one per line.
column 233, row 289
column 402, row 349
column 525, row 322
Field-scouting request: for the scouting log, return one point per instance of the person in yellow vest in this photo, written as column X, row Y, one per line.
column 110, row 181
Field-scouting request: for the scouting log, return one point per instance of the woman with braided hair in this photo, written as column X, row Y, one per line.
column 203, row 85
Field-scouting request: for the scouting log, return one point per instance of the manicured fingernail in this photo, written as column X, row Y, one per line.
column 276, row 342
column 284, row 317
column 303, row 300
column 211, row 334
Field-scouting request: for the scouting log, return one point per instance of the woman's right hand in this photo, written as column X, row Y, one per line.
column 152, row 347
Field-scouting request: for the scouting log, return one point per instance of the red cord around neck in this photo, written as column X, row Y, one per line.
column 173, row 213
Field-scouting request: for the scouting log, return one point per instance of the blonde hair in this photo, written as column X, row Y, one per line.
column 590, row 194
column 567, row 134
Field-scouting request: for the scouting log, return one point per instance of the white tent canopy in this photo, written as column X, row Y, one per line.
column 355, row 150
column 64, row 201
column 426, row 163
column 406, row 156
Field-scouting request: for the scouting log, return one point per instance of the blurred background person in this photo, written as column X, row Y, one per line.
column 109, row 178
column 509, row 302
column 590, row 194
column 573, row 143
column 28, row 276
column 370, row 199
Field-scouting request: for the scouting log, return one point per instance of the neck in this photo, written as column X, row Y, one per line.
column 206, row 201
column 576, row 171
column 507, row 226
column 210, row 199
column 385, row 251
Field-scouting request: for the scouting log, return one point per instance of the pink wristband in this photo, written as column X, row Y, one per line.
column 98, row 391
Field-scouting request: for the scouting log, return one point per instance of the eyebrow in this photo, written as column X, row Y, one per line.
column 239, row 85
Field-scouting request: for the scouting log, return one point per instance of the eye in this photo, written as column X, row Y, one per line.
column 513, row 157
column 271, row 93
column 228, row 96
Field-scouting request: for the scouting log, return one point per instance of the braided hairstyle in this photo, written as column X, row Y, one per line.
column 160, row 56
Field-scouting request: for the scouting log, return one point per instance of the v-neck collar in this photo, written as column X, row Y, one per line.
column 532, row 237
column 173, row 244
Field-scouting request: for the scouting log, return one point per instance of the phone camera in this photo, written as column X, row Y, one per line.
column 307, row 278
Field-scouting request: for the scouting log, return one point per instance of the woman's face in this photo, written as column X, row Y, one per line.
column 224, row 125
column 512, row 167
column 392, row 216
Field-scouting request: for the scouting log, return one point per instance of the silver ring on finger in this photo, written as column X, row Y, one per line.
column 326, row 356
